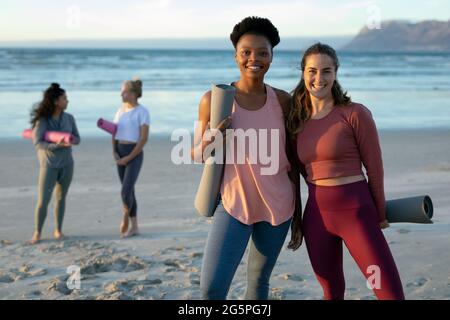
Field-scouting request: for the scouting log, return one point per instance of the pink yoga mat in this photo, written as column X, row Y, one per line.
column 50, row 136
column 107, row 126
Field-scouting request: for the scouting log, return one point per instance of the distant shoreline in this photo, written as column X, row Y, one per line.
column 287, row 43
column 341, row 51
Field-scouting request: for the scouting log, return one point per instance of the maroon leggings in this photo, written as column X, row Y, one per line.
column 348, row 213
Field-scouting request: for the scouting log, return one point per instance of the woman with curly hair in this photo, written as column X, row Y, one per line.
column 55, row 159
column 254, row 205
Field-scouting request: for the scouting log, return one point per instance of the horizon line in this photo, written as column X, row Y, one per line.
column 222, row 43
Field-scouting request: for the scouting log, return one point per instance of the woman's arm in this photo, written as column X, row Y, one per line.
column 76, row 135
column 114, row 148
column 296, row 171
column 39, row 137
column 285, row 101
column 114, row 141
column 366, row 135
column 296, row 224
column 204, row 114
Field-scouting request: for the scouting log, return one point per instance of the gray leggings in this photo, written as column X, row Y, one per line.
column 48, row 178
column 128, row 175
column 225, row 247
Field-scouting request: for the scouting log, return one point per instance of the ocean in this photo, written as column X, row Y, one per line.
column 403, row 91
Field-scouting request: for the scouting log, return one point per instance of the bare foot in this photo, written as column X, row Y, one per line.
column 58, row 235
column 124, row 225
column 131, row 233
column 36, row 238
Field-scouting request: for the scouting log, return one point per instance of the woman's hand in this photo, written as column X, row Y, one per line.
column 63, row 144
column 224, row 124
column 123, row 161
column 384, row 224
column 198, row 152
column 222, row 127
column 296, row 235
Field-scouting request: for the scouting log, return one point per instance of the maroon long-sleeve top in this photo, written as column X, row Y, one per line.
column 338, row 144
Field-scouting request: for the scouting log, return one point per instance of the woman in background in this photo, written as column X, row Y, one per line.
column 55, row 159
column 133, row 124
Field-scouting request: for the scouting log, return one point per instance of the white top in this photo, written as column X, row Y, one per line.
column 129, row 122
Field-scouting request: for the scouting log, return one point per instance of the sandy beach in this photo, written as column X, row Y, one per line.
column 164, row 261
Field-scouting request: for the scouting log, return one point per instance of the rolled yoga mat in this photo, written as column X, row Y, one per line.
column 414, row 210
column 50, row 136
column 207, row 197
column 109, row 127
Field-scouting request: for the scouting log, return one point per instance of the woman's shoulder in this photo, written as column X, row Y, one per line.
column 281, row 94
column 206, row 97
column 68, row 115
column 205, row 101
column 119, row 110
column 41, row 121
column 356, row 113
column 355, row 109
column 284, row 98
column 143, row 108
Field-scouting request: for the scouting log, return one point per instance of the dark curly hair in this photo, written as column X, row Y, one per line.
column 46, row 107
column 256, row 26
column 302, row 108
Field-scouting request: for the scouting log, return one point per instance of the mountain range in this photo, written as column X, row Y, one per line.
column 403, row 36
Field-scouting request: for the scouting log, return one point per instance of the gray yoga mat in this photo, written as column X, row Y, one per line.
column 414, row 210
column 207, row 197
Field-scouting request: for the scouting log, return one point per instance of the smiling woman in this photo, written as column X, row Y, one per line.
column 253, row 204
column 335, row 137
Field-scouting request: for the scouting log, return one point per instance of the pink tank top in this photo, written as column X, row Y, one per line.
column 247, row 194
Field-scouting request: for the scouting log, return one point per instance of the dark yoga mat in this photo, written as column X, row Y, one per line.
column 207, row 197
column 414, row 210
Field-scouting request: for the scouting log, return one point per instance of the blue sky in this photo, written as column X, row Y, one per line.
column 104, row 19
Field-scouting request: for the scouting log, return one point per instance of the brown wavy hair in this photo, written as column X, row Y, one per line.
column 301, row 108
column 46, row 107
